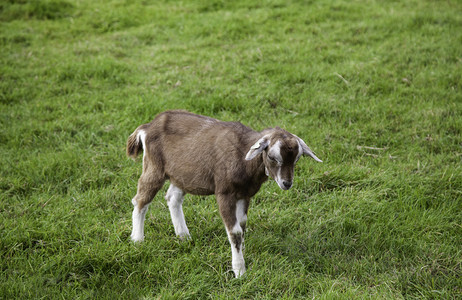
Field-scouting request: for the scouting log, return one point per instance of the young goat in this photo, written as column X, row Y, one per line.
column 204, row 156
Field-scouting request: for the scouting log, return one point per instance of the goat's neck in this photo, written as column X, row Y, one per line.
column 258, row 169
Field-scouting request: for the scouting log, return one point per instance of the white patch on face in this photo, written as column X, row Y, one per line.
column 279, row 180
column 275, row 152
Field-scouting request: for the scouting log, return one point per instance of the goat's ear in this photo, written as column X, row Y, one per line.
column 307, row 151
column 257, row 148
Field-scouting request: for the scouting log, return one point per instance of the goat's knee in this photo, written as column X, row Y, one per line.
column 175, row 197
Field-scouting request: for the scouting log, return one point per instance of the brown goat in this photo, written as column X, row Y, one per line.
column 203, row 156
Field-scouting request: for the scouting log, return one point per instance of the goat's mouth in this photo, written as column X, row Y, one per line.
column 284, row 184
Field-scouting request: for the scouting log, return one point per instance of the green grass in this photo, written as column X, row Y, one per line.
column 373, row 87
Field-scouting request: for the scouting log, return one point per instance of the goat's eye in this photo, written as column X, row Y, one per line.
column 271, row 158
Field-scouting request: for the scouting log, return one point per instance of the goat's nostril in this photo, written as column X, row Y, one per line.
column 287, row 184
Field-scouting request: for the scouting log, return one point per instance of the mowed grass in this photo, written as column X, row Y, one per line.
column 373, row 87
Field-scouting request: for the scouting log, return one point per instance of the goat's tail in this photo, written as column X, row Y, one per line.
column 134, row 144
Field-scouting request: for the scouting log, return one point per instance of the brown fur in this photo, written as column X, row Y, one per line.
column 133, row 146
column 192, row 141
column 204, row 156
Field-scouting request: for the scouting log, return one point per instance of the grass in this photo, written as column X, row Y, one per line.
column 373, row 87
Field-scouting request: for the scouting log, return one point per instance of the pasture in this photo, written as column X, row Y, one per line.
column 373, row 87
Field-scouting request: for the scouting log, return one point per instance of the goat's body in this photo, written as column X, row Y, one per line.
column 181, row 132
column 203, row 156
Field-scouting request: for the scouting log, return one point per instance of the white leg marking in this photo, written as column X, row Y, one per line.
column 236, row 239
column 241, row 215
column 238, row 262
column 138, row 217
column 175, row 197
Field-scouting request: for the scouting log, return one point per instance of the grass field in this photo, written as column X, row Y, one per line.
column 373, row 87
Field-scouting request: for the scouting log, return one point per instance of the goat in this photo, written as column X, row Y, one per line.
column 204, row 156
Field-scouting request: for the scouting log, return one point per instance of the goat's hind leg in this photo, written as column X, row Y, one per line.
column 175, row 197
column 148, row 186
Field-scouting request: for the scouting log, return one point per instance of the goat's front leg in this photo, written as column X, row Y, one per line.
column 174, row 199
column 234, row 215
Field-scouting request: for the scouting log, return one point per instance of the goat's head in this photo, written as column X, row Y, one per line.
column 280, row 152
